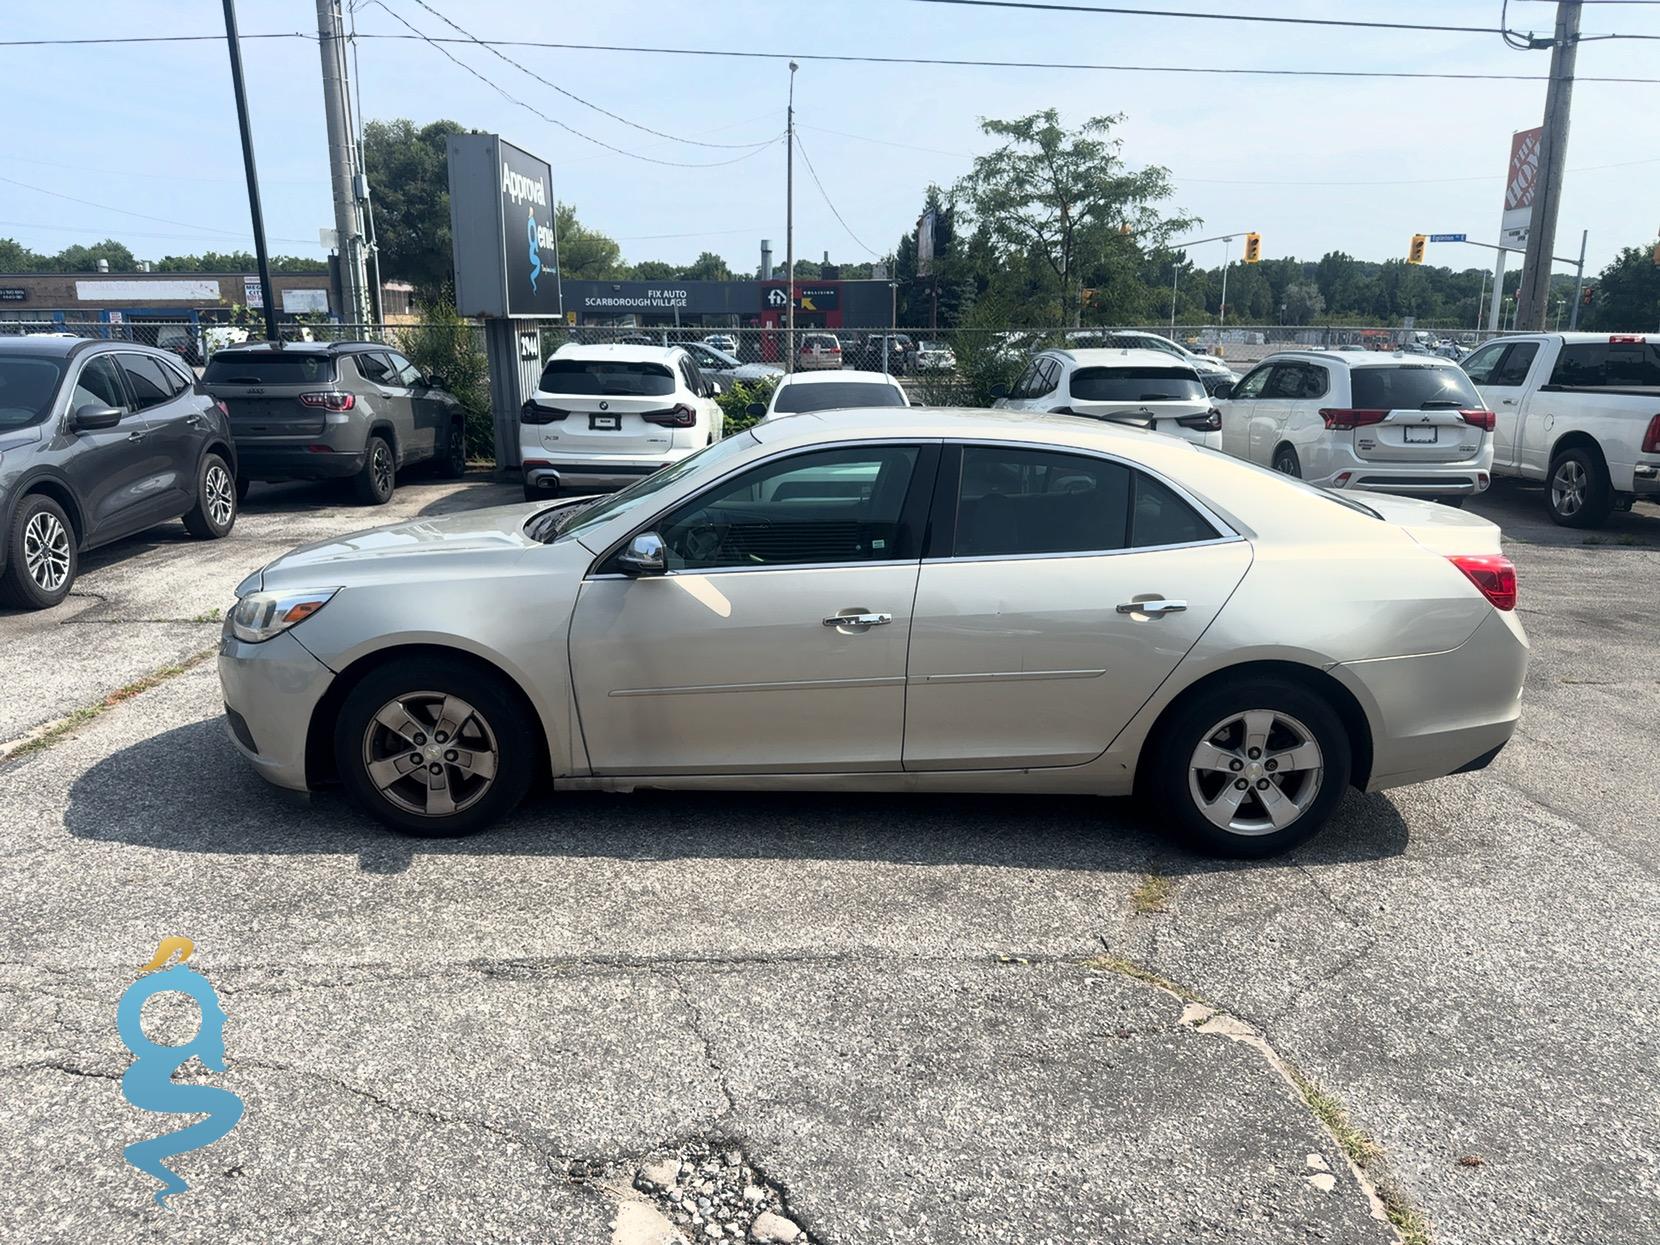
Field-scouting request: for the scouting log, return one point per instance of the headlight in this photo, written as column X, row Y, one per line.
column 260, row 615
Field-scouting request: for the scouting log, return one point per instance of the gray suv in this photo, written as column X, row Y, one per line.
column 355, row 411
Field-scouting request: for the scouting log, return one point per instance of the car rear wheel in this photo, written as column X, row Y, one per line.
column 1251, row 768
column 453, row 465
column 215, row 512
column 41, row 558
column 375, row 482
column 1286, row 462
column 434, row 747
column 1578, row 492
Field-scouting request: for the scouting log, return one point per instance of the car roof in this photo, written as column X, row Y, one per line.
column 840, row 374
column 1356, row 358
column 954, row 423
column 338, row 347
column 55, row 346
column 1120, row 356
column 619, row 352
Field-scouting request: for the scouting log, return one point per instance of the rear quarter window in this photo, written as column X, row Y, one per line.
column 1411, row 387
column 1608, row 365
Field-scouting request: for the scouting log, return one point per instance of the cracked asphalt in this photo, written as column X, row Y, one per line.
column 893, row 1004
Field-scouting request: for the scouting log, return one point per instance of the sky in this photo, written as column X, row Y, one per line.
column 145, row 134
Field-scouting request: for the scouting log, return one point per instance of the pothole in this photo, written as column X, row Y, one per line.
column 696, row 1192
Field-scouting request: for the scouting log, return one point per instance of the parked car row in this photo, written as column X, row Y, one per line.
column 102, row 439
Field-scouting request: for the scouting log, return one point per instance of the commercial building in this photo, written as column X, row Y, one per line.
column 831, row 304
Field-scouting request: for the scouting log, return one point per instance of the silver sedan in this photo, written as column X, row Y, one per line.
column 894, row 600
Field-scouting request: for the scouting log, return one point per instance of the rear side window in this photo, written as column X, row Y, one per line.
column 148, row 381
column 1608, row 365
column 1136, row 384
column 835, row 395
column 376, row 368
column 1014, row 501
column 268, row 367
column 613, row 378
column 1410, row 387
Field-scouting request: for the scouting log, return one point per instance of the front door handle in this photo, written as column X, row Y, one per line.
column 858, row 620
column 137, row 434
column 1152, row 607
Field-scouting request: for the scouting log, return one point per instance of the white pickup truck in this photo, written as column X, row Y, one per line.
column 1579, row 411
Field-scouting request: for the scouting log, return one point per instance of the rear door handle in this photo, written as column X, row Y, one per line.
column 858, row 620
column 1152, row 607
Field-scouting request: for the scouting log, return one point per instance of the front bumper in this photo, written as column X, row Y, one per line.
column 270, row 691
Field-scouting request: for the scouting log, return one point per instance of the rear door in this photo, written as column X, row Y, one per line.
column 110, row 466
column 173, row 427
column 428, row 409
column 605, row 407
column 264, row 391
column 1058, row 591
column 391, row 397
column 1421, row 405
column 1499, row 372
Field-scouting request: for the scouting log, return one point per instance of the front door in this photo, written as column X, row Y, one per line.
column 1499, row 372
column 776, row 640
column 1066, row 589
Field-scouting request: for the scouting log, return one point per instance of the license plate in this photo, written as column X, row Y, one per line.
column 604, row 423
column 1419, row 436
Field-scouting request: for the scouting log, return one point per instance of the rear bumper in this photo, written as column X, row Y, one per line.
column 1460, row 480
column 1645, row 480
column 294, row 462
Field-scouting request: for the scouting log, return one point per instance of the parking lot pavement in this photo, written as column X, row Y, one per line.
column 918, row 1019
column 155, row 599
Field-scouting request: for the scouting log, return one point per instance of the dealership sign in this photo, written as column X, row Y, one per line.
column 1520, row 182
column 502, row 223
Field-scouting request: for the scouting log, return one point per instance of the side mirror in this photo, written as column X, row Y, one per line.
column 645, row 555
column 998, row 391
column 1222, row 391
column 715, row 390
column 433, row 381
column 756, row 410
column 90, row 418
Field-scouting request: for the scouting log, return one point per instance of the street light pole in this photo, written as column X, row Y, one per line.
column 238, row 89
column 1222, row 307
column 789, row 224
column 1579, row 281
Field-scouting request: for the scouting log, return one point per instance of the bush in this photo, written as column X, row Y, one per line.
column 449, row 347
column 734, row 403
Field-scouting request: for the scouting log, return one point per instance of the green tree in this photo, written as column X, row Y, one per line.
column 586, row 254
column 236, row 261
column 1303, row 303
column 408, row 173
column 15, row 257
column 649, row 269
column 1626, row 295
column 85, row 258
column 1061, row 196
column 706, row 267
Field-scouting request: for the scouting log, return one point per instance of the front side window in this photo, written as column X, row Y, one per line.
column 1048, row 376
column 1480, row 366
column 147, row 381
column 835, row 395
column 1251, row 386
column 26, row 389
column 1517, row 363
column 1022, row 388
column 407, row 373
column 840, row 505
column 1013, row 501
column 606, row 378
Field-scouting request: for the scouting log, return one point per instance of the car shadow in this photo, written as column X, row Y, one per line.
column 231, row 810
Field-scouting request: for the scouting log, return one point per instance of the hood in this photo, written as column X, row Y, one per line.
column 19, row 437
column 1210, row 363
column 1441, row 529
column 410, row 550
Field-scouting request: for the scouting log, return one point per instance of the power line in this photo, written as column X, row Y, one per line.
column 825, row 196
column 1417, row 181
column 85, row 230
column 500, row 55
column 47, row 43
column 164, row 220
column 850, row 58
column 436, row 43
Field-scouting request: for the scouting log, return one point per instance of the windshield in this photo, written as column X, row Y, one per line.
column 26, row 388
column 1136, row 384
column 1412, row 387
column 718, row 357
column 835, row 395
column 267, row 367
column 606, row 378
column 548, row 525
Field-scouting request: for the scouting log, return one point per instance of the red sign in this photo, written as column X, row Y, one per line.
column 1524, row 169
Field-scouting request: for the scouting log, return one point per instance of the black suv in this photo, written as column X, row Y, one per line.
column 99, row 440
column 355, row 411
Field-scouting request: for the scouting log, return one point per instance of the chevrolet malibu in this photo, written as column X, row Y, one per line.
column 896, row 600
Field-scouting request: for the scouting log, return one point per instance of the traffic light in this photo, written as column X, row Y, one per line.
column 1415, row 253
column 1253, row 247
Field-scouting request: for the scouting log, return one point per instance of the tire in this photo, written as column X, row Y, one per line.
column 214, row 514
column 1179, row 785
column 375, row 483
column 1457, row 503
column 243, row 484
column 532, row 493
column 492, row 720
column 1577, row 489
column 1287, row 463
column 452, row 464
column 41, row 555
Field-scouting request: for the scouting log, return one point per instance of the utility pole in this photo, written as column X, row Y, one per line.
column 789, row 224
column 348, row 221
column 1579, row 281
column 1533, row 296
column 267, row 295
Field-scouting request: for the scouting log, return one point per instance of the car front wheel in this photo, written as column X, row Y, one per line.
column 435, row 747
column 1251, row 768
column 1578, row 493
column 41, row 559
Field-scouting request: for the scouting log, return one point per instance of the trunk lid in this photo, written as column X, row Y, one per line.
column 1418, row 436
column 1159, row 416
column 1441, row 529
column 1409, row 412
column 595, row 425
column 261, row 389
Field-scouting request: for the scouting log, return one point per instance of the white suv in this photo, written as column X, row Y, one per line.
column 607, row 415
column 1142, row 387
column 1390, row 423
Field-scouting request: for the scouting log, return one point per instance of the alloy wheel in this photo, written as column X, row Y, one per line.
column 380, row 464
column 1567, row 488
column 1255, row 772
column 46, row 550
column 430, row 753
column 220, row 494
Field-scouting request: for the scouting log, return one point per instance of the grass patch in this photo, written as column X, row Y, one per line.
column 72, row 722
column 1153, row 895
column 213, row 615
column 1129, row 968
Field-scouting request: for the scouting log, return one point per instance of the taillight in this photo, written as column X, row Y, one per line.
column 1343, row 418
column 223, row 409
column 533, row 412
column 1485, row 420
column 681, row 416
column 329, row 401
column 1494, row 575
column 1651, row 438
column 1210, row 421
